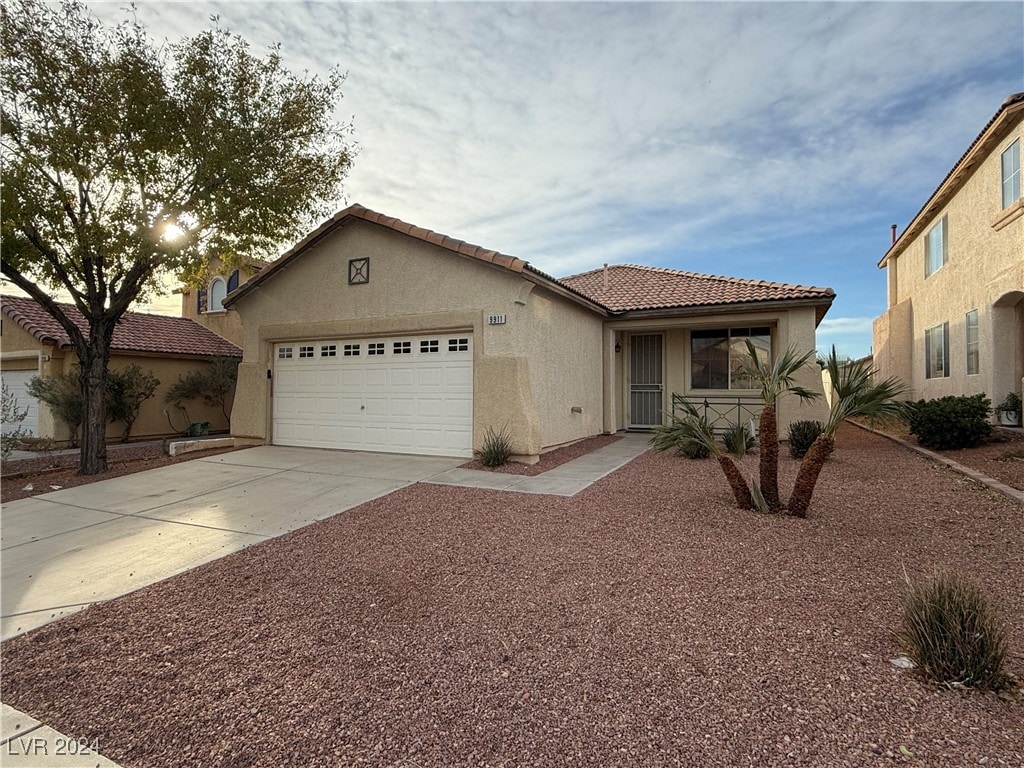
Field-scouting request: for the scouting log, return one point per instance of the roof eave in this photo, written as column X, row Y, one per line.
column 821, row 303
column 957, row 176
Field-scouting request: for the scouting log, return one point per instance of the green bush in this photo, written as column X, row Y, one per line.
column 952, row 634
column 951, row 422
column 497, row 447
column 212, row 386
column 802, row 435
column 681, row 435
column 127, row 390
column 63, row 395
column 738, row 440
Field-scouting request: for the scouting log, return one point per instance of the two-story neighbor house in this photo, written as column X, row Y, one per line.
column 955, row 318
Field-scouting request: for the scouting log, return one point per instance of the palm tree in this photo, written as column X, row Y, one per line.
column 855, row 395
column 775, row 379
column 694, row 431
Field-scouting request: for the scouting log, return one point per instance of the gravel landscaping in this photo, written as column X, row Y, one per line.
column 549, row 460
column 644, row 621
column 1000, row 457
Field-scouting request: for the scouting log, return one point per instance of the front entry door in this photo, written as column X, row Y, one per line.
column 645, row 385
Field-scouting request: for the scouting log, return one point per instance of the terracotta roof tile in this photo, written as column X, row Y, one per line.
column 135, row 332
column 632, row 287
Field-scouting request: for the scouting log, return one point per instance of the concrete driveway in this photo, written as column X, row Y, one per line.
column 65, row 550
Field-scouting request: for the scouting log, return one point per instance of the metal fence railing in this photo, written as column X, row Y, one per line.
column 721, row 412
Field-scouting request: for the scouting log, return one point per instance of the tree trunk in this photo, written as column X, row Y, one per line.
column 807, row 477
column 93, row 378
column 738, row 483
column 768, row 432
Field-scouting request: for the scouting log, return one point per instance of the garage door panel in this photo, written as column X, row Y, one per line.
column 459, row 376
column 419, row 401
column 432, row 377
column 402, row 407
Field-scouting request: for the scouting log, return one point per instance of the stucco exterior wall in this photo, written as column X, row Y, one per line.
column 416, row 287
column 793, row 326
column 984, row 272
column 224, row 323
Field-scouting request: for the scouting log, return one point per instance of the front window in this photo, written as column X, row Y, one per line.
column 935, row 248
column 716, row 356
column 936, row 352
column 1011, row 174
column 973, row 343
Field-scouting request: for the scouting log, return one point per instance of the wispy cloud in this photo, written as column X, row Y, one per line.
column 573, row 134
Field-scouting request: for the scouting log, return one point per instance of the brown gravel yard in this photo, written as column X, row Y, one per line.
column 548, row 460
column 642, row 622
column 1001, row 457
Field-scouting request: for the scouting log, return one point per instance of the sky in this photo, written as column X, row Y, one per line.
column 774, row 141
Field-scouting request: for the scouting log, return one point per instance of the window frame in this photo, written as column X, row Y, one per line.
column 213, row 303
column 941, row 227
column 1011, row 181
column 730, row 338
column 972, row 346
column 929, row 372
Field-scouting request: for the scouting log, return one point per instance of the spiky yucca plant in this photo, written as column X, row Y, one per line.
column 855, row 395
column 775, row 378
column 693, row 431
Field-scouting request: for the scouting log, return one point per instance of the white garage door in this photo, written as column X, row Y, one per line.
column 410, row 394
column 17, row 384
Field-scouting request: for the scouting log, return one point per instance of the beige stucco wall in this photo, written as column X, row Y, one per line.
column 793, row 326
column 15, row 343
column 984, row 272
column 416, row 287
column 224, row 323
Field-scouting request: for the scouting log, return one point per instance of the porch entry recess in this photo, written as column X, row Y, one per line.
column 646, row 393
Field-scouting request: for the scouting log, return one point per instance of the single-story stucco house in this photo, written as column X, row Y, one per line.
column 32, row 344
column 375, row 334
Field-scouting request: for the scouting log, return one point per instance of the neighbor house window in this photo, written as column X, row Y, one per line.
column 936, row 352
column 218, row 290
column 716, row 357
column 973, row 343
column 1011, row 174
column 935, row 248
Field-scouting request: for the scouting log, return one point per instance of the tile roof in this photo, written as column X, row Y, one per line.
column 629, row 287
column 135, row 332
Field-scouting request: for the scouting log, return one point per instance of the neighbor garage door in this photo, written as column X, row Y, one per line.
column 410, row 394
column 17, row 385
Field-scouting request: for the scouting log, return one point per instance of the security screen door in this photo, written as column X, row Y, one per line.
column 645, row 384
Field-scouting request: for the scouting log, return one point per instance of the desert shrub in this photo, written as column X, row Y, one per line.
column 62, row 394
column 497, row 447
column 212, row 386
column 12, row 417
column 738, row 440
column 680, row 434
column 951, row 422
column 802, row 435
column 952, row 633
column 127, row 390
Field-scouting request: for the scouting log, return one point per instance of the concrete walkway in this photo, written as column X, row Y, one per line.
column 66, row 550
column 565, row 480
